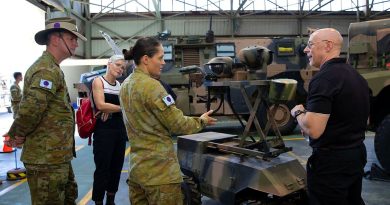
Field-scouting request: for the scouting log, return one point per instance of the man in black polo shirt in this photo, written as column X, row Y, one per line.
column 335, row 119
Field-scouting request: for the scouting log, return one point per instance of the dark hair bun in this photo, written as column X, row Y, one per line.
column 129, row 54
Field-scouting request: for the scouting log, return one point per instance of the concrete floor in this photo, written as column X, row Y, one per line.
column 17, row 192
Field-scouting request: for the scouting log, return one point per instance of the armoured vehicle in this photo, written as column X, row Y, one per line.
column 369, row 53
column 243, row 170
column 216, row 166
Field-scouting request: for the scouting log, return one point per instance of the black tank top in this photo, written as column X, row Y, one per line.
column 111, row 95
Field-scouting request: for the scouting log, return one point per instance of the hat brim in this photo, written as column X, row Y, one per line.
column 41, row 36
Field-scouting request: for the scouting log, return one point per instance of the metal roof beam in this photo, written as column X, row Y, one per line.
column 157, row 8
column 379, row 13
column 124, row 11
column 257, row 12
column 221, row 10
column 319, row 6
column 102, row 8
column 301, row 5
column 111, row 9
column 184, row 12
column 277, row 5
column 218, row 13
column 129, row 39
column 332, row 12
column 240, row 7
column 372, row 4
column 38, row 4
column 154, row 14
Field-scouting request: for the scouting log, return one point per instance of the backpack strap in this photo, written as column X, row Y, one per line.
column 91, row 95
column 93, row 106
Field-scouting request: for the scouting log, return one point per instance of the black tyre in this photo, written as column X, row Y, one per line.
column 190, row 191
column 298, row 198
column 382, row 143
column 284, row 121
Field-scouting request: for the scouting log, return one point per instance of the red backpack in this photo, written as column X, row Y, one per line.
column 85, row 119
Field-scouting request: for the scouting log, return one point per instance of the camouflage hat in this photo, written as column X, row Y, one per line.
column 58, row 24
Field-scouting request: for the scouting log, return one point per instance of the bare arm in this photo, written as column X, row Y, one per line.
column 98, row 96
column 311, row 123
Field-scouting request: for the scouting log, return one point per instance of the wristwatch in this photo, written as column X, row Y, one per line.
column 298, row 112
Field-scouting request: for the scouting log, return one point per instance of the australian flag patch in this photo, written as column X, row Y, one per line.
column 46, row 84
column 168, row 100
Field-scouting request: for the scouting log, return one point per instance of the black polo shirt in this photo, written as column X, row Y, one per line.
column 339, row 90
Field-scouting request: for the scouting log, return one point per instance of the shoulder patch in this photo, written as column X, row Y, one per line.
column 168, row 100
column 46, row 84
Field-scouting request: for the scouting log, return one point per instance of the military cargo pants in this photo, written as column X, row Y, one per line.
column 167, row 194
column 51, row 184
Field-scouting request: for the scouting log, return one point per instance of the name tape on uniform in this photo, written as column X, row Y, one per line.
column 168, row 100
column 46, row 84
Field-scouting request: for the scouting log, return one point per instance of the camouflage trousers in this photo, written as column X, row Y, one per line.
column 167, row 194
column 51, row 184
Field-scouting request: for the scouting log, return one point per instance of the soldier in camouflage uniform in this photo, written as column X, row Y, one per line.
column 150, row 117
column 16, row 93
column 45, row 121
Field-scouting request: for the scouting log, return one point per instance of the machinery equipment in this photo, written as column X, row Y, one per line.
column 369, row 53
column 286, row 60
column 243, row 170
column 252, row 63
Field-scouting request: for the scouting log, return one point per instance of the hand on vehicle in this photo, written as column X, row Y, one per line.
column 209, row 120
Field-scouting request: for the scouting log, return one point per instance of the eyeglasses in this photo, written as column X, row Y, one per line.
column 310, row 44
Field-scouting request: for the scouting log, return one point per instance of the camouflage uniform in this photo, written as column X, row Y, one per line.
column 46, row 119
column 16, row 97
column 150, row 118
column 167, row 194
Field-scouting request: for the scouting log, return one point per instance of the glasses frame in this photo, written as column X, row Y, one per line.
column 311, row 44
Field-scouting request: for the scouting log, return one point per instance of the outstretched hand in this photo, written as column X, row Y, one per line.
column 206, row 116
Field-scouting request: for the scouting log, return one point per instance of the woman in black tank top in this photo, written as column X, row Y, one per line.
column 109, row 138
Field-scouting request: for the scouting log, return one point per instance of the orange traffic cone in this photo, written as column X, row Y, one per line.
column 6, row 148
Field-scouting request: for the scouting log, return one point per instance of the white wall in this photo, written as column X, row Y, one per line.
column 20, row 20
column 73, row 68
